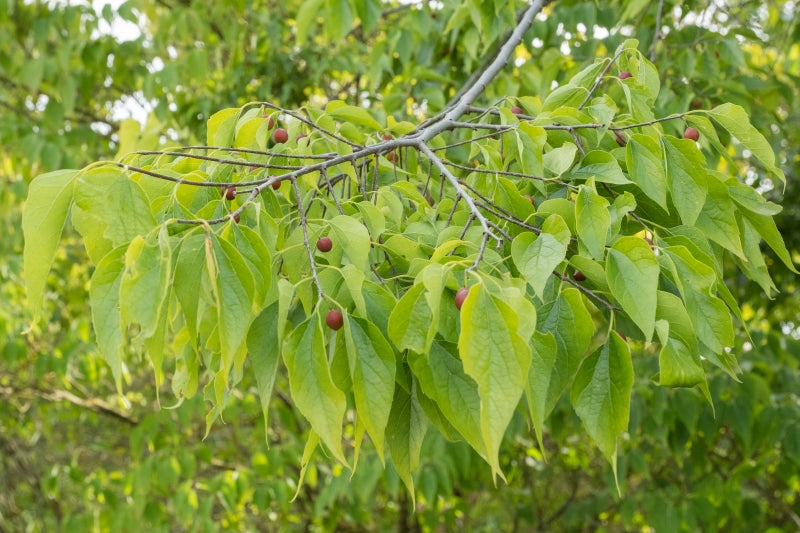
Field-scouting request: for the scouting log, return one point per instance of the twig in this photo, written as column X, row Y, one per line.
column 459, row 190
column 304, row 226
column 657, row 34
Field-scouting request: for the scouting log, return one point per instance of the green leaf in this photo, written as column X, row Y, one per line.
column 43, row 218
column 124, row 212
column 354, row 240
column 572, row 327
column 601, row 395
column 537, row 256
column 679, row 359
column 632, row 272
column 559, row 160
column 686, row 176
column 544, row 352
column 306, row 16
column 233, row 295
column 498, row 359
column 104, row 300
column 441, row 377
column 765, row 226
column 710, row 317
column 602, row 166
column 186, row 280
column 592, row 220
column 313, row 391
column 256, row 255
column 410, row 320
column 404, row 434
column 221, row 127
column 263, row 345
column 645, row 162
column 372, row 369
column 356, row 115
column 145, row 281
column 718, row 220
column 734, row 119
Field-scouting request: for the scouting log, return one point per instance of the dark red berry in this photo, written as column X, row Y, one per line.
column 387, row 136
column 624, row 75
column 334, row 319
column 578, row 276
column 516, row 110
column 324, row 244
column 280, row 136
column 691, row 133
column 461, row 295
column 276, row 185
column 236, row 218
column 230, row 193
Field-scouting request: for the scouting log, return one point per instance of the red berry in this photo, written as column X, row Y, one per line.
column 621, row 140
column 624, row 75
column 276, row 185
column 301, row 136
column 691, row 133
column 236, row 218
column 230, row 193
column 280, row 136
column 578, row 276
column 387, row 136
column 461, row 295
column 324, row 244
column 516, row 110
column 334, row 319
column 270, row 123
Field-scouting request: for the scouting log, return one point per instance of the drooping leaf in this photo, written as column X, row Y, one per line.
column 372, row 369
column 679, row 358
column 498, row 359
column 632, row 271
column 313, row 391
column 601, row 395
column 410, row 320
column 263, row 345
column 104, row 298
column 145, row 281
column 718, row 218
column 544, row 352
column 686, row 177
column 572, row 327
column 234, row 292
column 404, row 434
column 441, row 377
column 734, row 119
column 43, row 219
column 593, row 220
column 709, row 315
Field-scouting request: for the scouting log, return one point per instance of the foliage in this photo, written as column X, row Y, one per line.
column 195, row 298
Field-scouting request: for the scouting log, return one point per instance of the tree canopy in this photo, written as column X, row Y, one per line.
column 530, row 253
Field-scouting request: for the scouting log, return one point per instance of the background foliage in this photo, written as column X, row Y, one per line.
column 85, row 459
